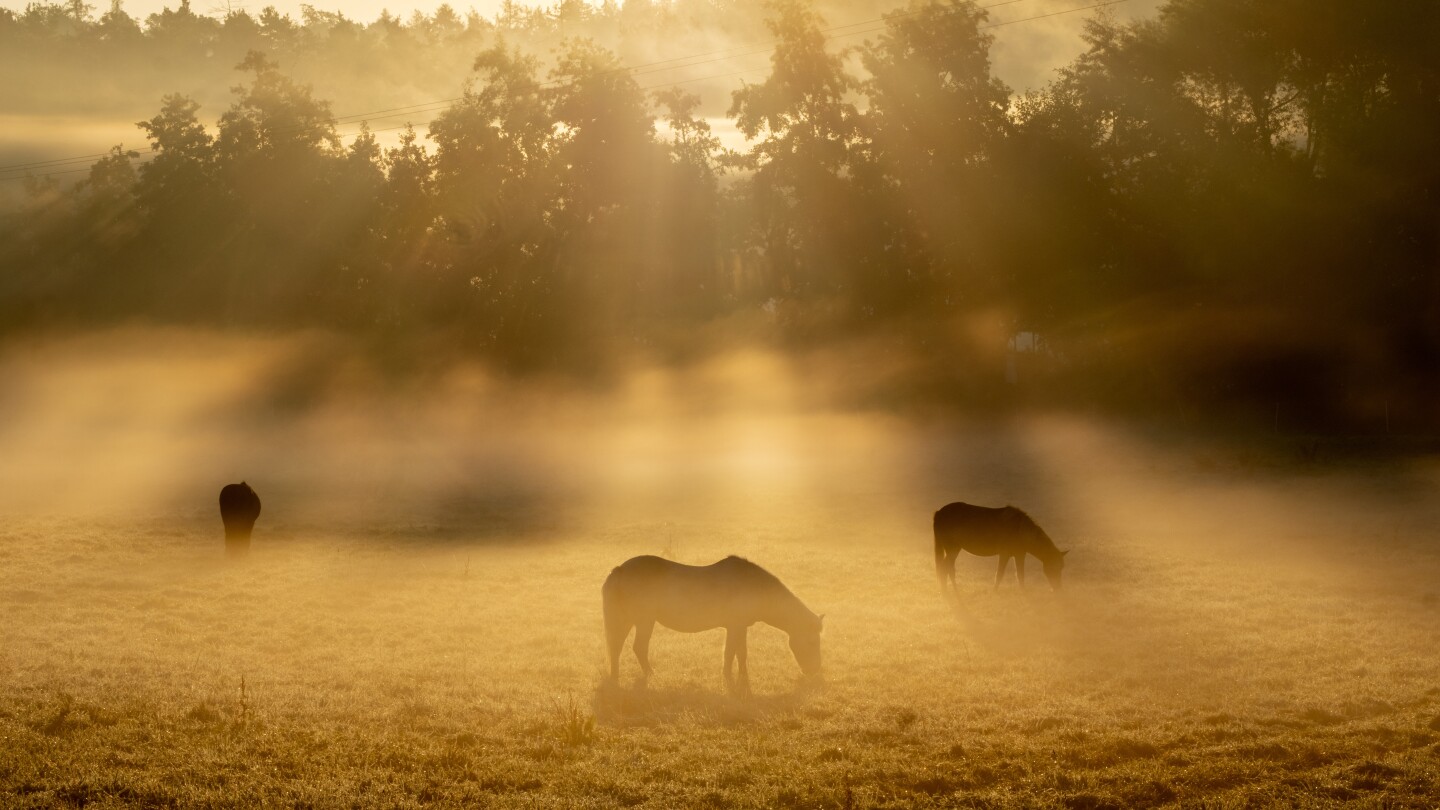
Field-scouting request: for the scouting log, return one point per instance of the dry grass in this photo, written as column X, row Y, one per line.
column 1230, row 635
column 409, row 673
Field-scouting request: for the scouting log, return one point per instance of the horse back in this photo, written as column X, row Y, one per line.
column 239, row 502
column 689, row 597
column 982, row 530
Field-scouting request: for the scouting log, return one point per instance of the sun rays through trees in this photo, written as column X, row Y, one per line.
column 1219, row 204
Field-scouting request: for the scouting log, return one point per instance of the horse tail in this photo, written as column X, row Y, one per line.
column 616, row 627
column 609, row 597
column 940, row 552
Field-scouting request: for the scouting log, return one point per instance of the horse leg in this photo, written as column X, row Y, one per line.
column 615, row 632
column 741, row 652
column 735, row 648
column 730, row 638
column 945, row 569
column 1000, row 572
column 941, row 556
column 642, row 645
column 1020, row 569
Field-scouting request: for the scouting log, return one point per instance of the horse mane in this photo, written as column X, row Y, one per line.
column 1039, row 532
column 756, row 569
column 770, row 580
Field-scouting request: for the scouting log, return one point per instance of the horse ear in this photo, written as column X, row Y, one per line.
column 821, row 621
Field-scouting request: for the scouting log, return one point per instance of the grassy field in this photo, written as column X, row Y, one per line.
column 1238, row 628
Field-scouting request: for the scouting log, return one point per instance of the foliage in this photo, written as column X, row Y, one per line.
column 1227, row 203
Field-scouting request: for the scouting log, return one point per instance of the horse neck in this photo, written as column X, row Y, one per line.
column 1042, row 546
column 786, row 612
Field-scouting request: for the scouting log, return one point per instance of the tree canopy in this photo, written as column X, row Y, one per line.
column 1227, row 203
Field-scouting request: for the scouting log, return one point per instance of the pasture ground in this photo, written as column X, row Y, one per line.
column 1257, row 628
column 399, row 671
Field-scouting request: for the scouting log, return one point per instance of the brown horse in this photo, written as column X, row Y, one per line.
column 733, row 593
column 986, row 532
column 239, row 508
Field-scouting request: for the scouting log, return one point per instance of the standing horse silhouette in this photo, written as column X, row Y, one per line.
column 239, row 508
column 986, row 532
column 733, row 593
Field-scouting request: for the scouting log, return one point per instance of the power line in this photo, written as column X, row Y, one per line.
column 38, row 163
column 137, row 161
column 440, row 105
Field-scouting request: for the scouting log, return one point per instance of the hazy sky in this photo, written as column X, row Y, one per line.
column 1025, row 54
column 368, row 10
column 363, row 10
column 1031, row 41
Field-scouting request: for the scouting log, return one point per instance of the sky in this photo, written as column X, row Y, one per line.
column 368, row 10
column 363, row 11
column 1024, row 55
column 1032, row 40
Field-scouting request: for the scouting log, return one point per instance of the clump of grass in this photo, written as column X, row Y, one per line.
column 1322, row 717
column 1043, row 724
column 464, row 739
column 415, row 710
column 1371, row 775
column 203, row 712
column 62, row 720
column 574, row 726
column 935, row 784
column 1366, row 708
column 1091, row 801
column 73, row 715
column 242, row 709
column 790, row 797
column 905, row 717
column 1150, row 793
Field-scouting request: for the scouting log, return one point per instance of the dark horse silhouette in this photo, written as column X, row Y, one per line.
column 986, row 532
column 239, row 507
column 733, row 593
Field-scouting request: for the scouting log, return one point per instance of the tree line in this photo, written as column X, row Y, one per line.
column 1230, row 203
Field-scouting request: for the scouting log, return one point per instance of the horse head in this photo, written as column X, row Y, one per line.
column 1053, row 566
column 805, row 644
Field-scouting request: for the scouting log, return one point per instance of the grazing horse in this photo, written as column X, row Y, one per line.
column 239, row 507
column 733, row 593
column 986, row 532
